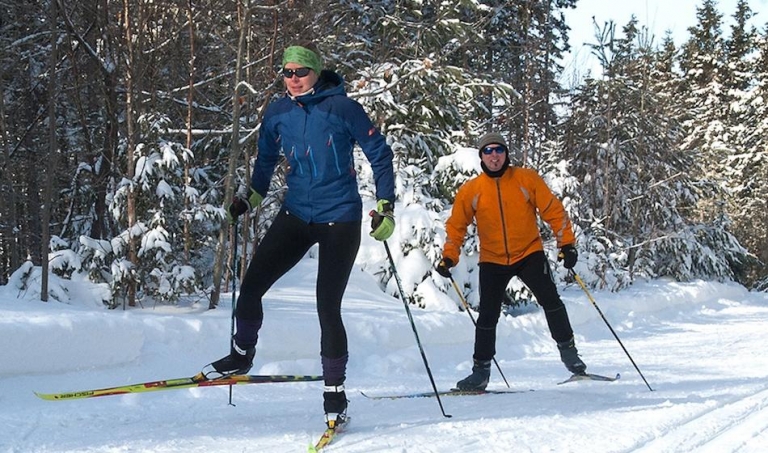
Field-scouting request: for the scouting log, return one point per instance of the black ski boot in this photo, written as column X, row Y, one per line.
column 478, row 380
column 335, row 405
column 239, row 361
column 570, row 357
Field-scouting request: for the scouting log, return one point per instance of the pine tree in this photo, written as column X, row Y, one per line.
column 737, row 72
column 747, row 167
column 703, row 65
column 636, row 186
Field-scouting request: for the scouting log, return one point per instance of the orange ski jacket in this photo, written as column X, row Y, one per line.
column 505, row 210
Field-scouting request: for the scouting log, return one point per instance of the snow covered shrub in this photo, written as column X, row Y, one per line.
column 62, row 260
column 172, row 209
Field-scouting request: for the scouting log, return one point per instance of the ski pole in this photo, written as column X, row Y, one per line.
column 234, row 300
column 594, row 304
column 469, row 312
column 413, row 326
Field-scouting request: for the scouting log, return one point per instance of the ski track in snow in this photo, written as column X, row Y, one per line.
column 726, row 427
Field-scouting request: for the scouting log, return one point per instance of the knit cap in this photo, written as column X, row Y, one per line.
column 489, row 139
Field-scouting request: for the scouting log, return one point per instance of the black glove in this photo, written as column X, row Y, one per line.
column 240, row 205
column 444, row 267
column 568, row 255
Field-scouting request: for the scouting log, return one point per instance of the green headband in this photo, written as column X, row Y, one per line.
column 303, row 56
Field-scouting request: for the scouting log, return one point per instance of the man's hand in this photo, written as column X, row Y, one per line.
column 568, row 255
column 444, row 267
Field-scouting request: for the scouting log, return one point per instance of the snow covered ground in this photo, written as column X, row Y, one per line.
column 700, row 345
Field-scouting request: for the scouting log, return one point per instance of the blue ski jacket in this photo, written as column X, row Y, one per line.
column 317, row 132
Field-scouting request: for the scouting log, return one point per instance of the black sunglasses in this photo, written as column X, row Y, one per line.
column 495, row 148
column 299, row 72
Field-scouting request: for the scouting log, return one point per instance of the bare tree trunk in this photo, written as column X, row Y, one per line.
column 29, row 225
column 190, row 98
column 9, row 251
column 86, row 143
column 547, row 49
column 254, row 218
column 130, row 159
column 106, row 61
column 235, row 153
column 528, row 69
column 45, row 215
column 109, row 150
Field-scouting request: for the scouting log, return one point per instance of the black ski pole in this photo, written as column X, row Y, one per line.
column 234, row 299
column 594, row 304
column 413, row 326
column 469, row 312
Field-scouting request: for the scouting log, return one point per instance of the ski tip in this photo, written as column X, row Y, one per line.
column 44, row 396
column 63, row 396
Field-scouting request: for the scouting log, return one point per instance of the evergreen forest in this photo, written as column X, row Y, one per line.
column 127, row 125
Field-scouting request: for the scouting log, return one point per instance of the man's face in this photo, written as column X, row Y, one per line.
column 493, row 156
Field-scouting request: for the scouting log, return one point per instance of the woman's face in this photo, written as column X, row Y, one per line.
column 298, row 85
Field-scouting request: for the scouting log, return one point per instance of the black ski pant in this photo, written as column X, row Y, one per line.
column 536, row 274
column 287, row 240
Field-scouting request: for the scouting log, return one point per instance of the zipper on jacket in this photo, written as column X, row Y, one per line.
column 296, row 159
column 308, row 153
column 311, row 157
column 503, row 223
column 335, row 153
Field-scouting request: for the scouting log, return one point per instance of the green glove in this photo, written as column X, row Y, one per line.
column 240, row 205
column 382, row 220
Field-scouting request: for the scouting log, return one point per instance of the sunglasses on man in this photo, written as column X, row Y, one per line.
column 298, row 72
column 499, row 149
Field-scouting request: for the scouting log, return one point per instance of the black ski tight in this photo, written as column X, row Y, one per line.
column 535, row 273
column 285, row 243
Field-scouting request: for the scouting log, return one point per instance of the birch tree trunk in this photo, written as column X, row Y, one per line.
column 130, row 159
column 233, row 156
column 190, row 99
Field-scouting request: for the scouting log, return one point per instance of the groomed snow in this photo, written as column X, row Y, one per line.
column 700, row 345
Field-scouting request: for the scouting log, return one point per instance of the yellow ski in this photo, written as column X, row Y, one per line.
column 172, row 384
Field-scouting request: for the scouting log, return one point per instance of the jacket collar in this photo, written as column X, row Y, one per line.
column 328, row 84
